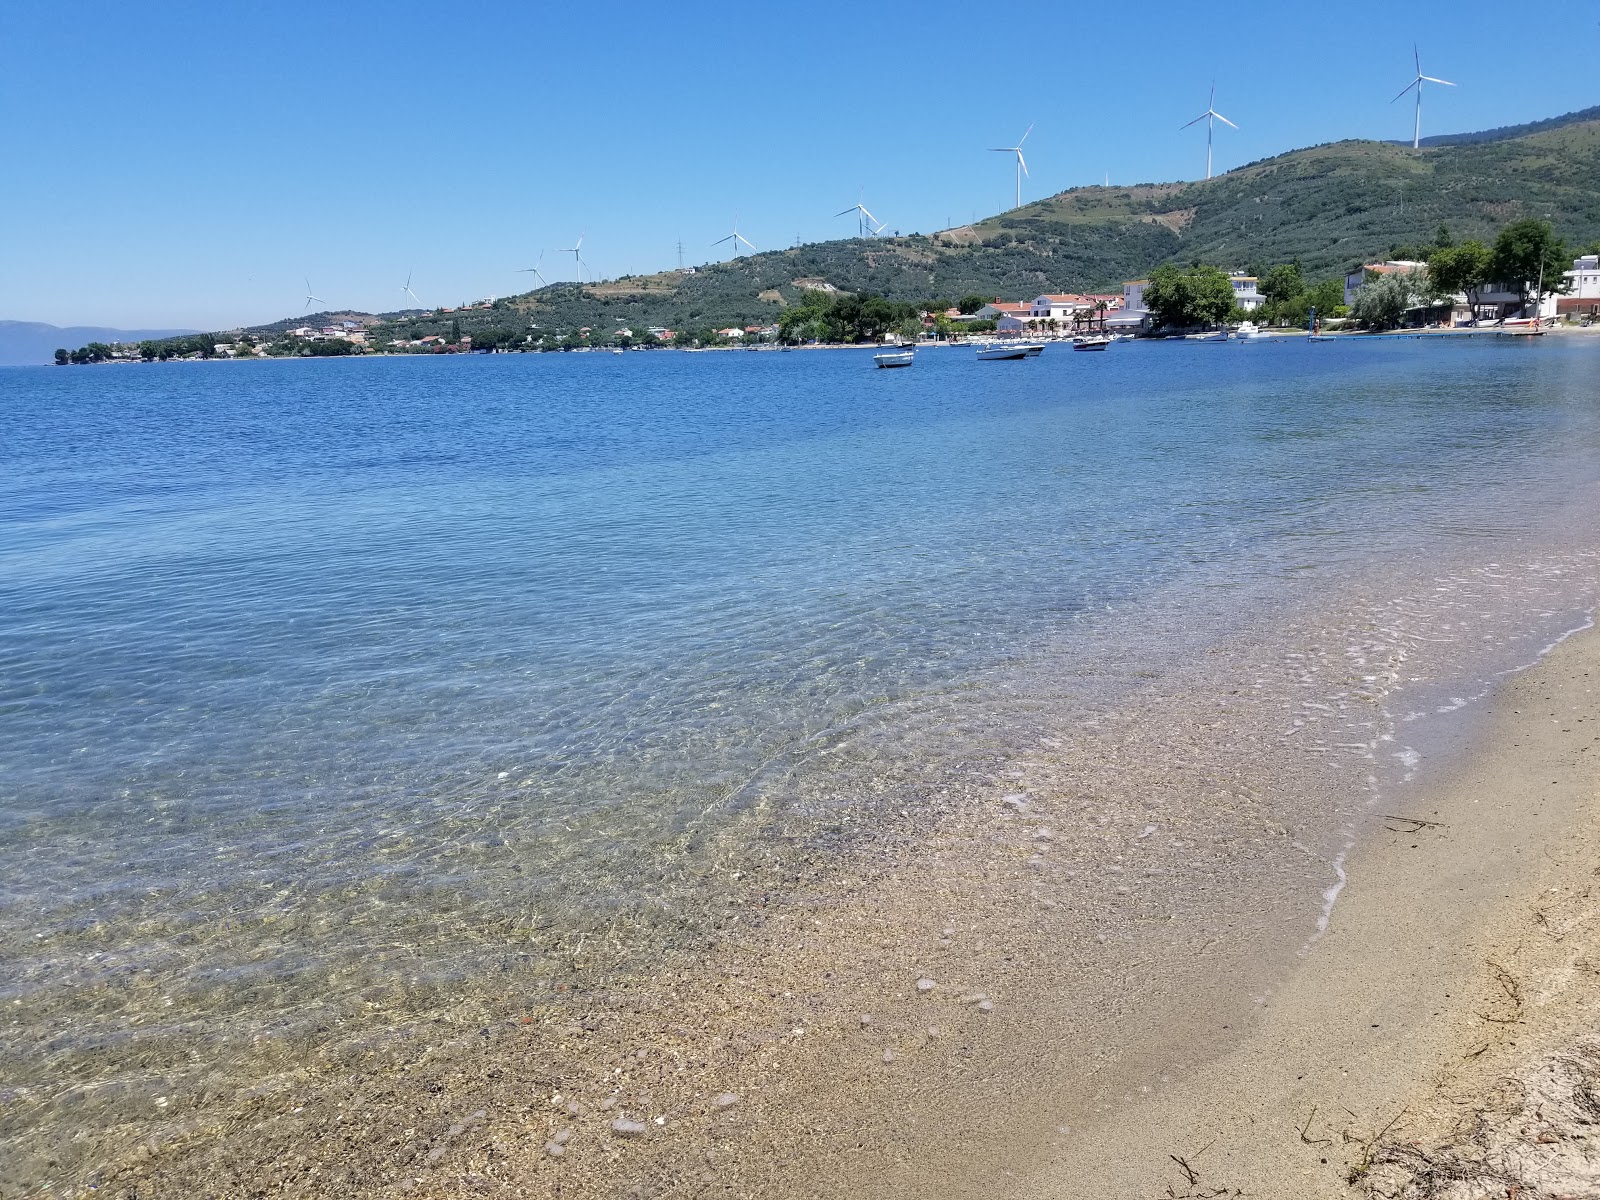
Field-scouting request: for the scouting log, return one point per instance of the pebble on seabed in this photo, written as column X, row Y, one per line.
column 925, row 984
column 623, row 1127
column 888, row 1056
column 985, row 1005
column 726, row 1100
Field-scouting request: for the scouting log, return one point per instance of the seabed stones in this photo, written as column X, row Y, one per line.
column 625, row 1128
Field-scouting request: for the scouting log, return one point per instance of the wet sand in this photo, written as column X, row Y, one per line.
column 1406, row 1052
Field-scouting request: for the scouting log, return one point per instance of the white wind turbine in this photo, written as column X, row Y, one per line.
column 538, row 274
column 735, row 237
column 1022, row 167
column 864, row 219
column 310, row 299
column 577, row 257
column 1416, row 128
column 1211, row 116
column 405, row 289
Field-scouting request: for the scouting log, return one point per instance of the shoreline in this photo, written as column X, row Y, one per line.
column 1122, row 904
column 1457, row 967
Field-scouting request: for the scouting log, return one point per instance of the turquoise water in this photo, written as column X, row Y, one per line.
column 320, row 679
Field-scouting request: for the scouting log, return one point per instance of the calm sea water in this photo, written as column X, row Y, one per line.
column 318, row 677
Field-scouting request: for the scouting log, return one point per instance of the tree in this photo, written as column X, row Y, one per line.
column 1526, row 253
column 1283, row 282
column 455, row 331
column 1180, row 296
column 1464, row 268
column 63, row 357
column 971, row 304
column 1384, row 300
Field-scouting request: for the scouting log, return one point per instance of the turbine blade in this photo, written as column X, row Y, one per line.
column 1023, row 163
column 1408, row 87
column 1196, row 121
column 1024, row 136
column 1002, row 149
column 1416, row 57
column 720, row 240
column 1431, row 79
column 747, row 241
column 846, row 212
column 1224, row 120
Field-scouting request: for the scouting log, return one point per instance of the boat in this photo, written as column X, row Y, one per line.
column 896, row 358
column 1249, row 331
column 999, row 350
column 1219, row 335
column 1034, row 349
column 1091, row 343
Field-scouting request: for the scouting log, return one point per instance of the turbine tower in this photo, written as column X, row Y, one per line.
column 864, row 219
column 735, row 237
column 577, row 257
column 537, row 274
column 405, row 290
column 1416, row 128
column 1022, row 167
column 310, row 299
column 1211, row 116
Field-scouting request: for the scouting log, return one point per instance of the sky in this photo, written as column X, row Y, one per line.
column 181, row 164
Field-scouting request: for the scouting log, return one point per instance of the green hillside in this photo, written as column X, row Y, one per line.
column 1331, row 207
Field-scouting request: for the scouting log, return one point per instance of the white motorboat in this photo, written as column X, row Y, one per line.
column 896, row 358
column 1099, row 342
column 999, row 350
column 1249, row 331
column 1219, row 335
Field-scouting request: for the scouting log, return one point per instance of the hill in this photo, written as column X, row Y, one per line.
column 1330, row 207
column 30, row 343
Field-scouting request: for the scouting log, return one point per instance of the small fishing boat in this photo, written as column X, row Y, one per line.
column 1220, row 335
column 1249, row 331
column 998, row 350
column 896, row 358
column 1099, row 342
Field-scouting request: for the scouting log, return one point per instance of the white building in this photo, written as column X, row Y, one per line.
column 1582, row 297
column 1245, row 294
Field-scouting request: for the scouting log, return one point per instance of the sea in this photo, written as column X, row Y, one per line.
column 323, row 682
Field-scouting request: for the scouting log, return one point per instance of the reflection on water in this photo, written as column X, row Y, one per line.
column 331, row 692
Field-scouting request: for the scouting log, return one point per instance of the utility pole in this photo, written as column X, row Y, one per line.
column 680, row 254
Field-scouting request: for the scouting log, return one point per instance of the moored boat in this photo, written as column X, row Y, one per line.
column 1000, row 350
column 1097, row 342
column 896, row 358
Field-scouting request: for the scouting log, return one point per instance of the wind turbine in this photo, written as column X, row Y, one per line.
column 405, row 288
column 1211, row 116
column 538, row 274
column 864, row 219
column 310, row 299
column 1416, row 128
column 1022, row 167
column 735, row 237
column 577, row 258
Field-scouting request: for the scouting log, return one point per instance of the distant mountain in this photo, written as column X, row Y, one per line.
column 24, row 343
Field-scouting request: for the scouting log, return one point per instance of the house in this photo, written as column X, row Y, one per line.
column 1245, row 294
column 1355, row 280
column 1060, row 307
column 730, row 333
column 1000, row 309
column 1131, row 313
column 1582, row 298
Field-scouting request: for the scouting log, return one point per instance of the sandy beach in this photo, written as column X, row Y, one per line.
column 1059, row 977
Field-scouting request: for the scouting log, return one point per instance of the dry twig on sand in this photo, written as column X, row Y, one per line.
column 1511, row 992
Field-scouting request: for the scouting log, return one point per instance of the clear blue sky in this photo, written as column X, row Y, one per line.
column 187, row 164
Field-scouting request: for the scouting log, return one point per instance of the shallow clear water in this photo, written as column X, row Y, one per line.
column 319, row 680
